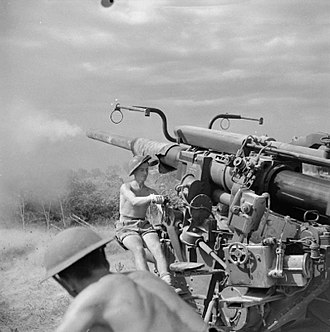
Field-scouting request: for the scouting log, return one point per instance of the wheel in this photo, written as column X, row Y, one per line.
column 238, row 253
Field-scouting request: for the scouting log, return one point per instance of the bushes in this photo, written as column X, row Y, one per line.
column 91, row 195
column 94, row 195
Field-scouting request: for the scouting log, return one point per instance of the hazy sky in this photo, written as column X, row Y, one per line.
column 65, row 62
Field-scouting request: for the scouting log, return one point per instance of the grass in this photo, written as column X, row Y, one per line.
column 26, row 305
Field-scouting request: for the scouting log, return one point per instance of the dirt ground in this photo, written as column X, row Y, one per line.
column 26, row 305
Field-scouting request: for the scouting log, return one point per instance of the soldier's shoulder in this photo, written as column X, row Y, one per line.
column 115, row 278
column 109, row 282
column 145, row 279
column 139, row 274
column 126, row 186
column 115, row 284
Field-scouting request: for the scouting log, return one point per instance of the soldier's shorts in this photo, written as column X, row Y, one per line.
column 128, row 226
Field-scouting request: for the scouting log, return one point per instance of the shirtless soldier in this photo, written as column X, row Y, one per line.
column 133, row 230
column 113, row 302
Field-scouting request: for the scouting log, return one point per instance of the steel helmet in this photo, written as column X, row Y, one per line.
column 136, row 162
column 69, row 246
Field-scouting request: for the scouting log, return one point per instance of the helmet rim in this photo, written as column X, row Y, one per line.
column 136, row 162
column 60, row 266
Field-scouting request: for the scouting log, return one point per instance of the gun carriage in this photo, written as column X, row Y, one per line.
column 253, row 225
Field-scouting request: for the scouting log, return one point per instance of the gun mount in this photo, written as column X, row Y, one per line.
column 252, row 222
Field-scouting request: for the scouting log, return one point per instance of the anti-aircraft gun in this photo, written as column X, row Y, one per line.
column 252, row 221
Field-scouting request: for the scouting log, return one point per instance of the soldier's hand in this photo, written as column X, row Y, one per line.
column 157, row 199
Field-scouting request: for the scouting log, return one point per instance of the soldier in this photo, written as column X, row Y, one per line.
column 133, row 230
column 104, row 301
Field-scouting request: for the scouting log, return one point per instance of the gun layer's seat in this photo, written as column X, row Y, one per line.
column 182, row 267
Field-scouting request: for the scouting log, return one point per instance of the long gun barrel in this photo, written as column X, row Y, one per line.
column 286, row 187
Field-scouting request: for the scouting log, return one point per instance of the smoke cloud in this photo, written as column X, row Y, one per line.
column 27, row 128
column 34, row 147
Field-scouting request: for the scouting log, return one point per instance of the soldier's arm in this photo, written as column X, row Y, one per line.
column 77, row 319
column 158, row 199
column 87, row 310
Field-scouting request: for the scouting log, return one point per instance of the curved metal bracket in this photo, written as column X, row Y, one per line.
column 147, row 111
column 227, row 116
